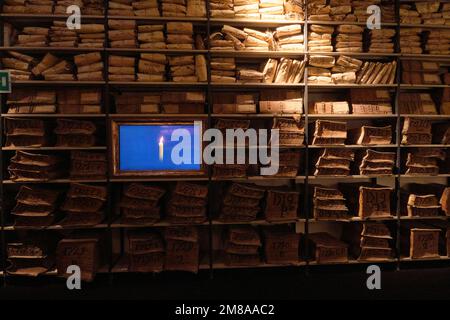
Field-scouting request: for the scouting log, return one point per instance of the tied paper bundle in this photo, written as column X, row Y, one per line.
column 271, row 9
column 281, row 101
column 327, row 70
column 362, row 15
column 424, row 161
column 87, row 7
column 377, row 73
column 375, row 202
column 318, row 10
column 410, row 40
column 88, row 165
column 290, row 38
column 319, row 38
column 329, row 204
column 152, row 67
column 188, row 102
column 231, row 170
column 247, row 74
column 281, row 205
column 330, row 132
column 120, row 8
column 35, row 207
column 349, row 38
column 145, row 8
column 221, row 8
column 140, row 204
column 31, row 101
column 438, row 41
column 231, row 38
column 174, row 8
column 182, row 249
column 61, row 36
column 423, row 205
column 19, row 65
column 91, row 36
column 137, row 102
column 377, row 163
column 370, row 101
column 32, row 256
column 27, row 37
column 188, row 68
column 84, row 205
column 241, row 203
column 187, row 203
column 329, row 107
column 151, row 36
column 289, row 163
column 122, row 33
column 281, row 245
column 224, row 102
column 89, row 66
column 419, row 240
column 74, row 101
column 121, row 68
column 294, row 10
column 85, row 250
column 327, row 249
column 53, row 68
column 75, row 133
column 283, row 71
column 341, row 10
column 28, row 6
column 223, row 70
column 421, row 72
column 196, row 8
column 416, row 103
column 334, row 162
column 27, row 166
column 369, row 135
column 246, row 9
column 382, row 40
column 25, row 133
column 291, row 131
column 146, row 251
column 242, row 246
column 416, row 131
column 180, row 36
column 426, row 12
column 375, row 242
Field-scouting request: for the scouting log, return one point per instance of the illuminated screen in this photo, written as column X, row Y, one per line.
column 147, row 147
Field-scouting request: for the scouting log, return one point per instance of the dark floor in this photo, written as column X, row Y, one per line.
column 270, row 284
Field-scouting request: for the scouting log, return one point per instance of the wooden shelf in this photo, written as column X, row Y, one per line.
column 257, row 54
column 421, row 176
column 350, row 86
column 144, row 50
column 63, row 181
column 253, row 22
column 236, row 85
column 424, row 145
column 424, row 218
column 52, row 148
column 158, row 179
column 424, row 26
column 422, row 86
column 163, row 85
column 440, row 258
column 352, row 262
column 352, row 116
column 56, row 227
column 352, row 146
column 53, row 115
column 57, row 83
column 67, row 50
column 47, row 17
column 158, row 115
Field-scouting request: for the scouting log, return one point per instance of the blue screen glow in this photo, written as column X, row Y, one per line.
column 149, row 147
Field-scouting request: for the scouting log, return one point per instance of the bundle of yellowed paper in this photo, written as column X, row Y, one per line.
column 122, row 33
column 121, row 68
column 89, row 66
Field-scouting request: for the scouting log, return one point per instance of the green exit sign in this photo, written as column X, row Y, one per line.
column 5, row 81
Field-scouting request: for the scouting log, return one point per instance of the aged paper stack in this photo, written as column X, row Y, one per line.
column 152, row 67
column 187, row 102
column 88, row 165
column 61, row 36
column 327, row 70
column 31, row 101
column 377, row 73
column 281, row 205
column 151, row 36
column 121, row 68
column 75, row 133
column 26, row 6
column 31, row 257
column 382, row 40
column 122, row 33
column 424, row 161
column 146, row 251
column 120, row 8
column 35, row 206
column 375, row 242
column 223, row 70
column 290, row 38
column 416, row 103
column 349, row 38
column 419, row 240
column 370, row 101
column 146, row 8
column 371, row 135
column 18, row 65
column 416, row 131
column 140, row 204
column 377, row 163
column 53, row 68
column 410, row 40
column 187, row 203
column 291, row 131
column 221, row 8
column 224, row 102
column 423, row 205
column 438, row 40
column 89, row 66
column 334, row 162
column 281, row 101
column 283, row 70
column 25, row 133
column 330, row 132
column 27, row 166
column 326, row 248
column 281, row 245
column 173, row 8
column 319, row 38
column 74, row 101
column 182, row 68
column 180, row 35
column 426, row 12
column 182, row 249
column 241, row 203
column 289, row 163
column 375, row 202
column 242, row 245
column 329, row 204
column 84, row 205
column 91, row 36
column 420, row 72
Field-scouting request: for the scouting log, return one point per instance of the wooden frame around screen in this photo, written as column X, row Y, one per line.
column 116, row 172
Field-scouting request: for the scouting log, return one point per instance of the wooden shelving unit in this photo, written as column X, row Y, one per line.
column 300, row 182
